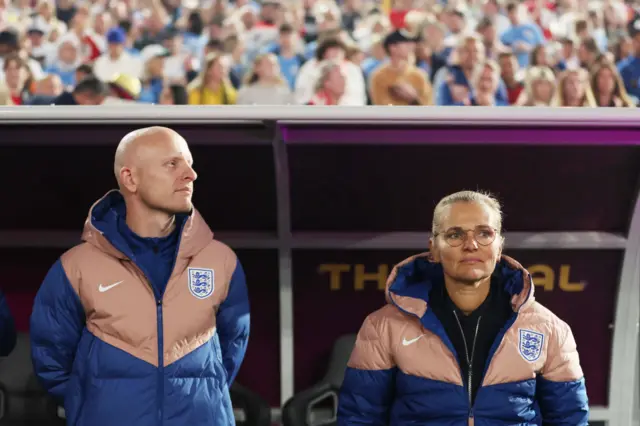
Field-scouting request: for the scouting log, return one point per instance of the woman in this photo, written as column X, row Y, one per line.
column 538, row 57
column 330, row 86
column 574, row 90
column 212, row 86
column 152, row 82
column 540, row 87
column 462, row 339
column 17, row 77
column 608, row 89
column 484, row 82
column 264, row 84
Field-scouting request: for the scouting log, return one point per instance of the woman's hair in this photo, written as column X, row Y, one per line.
column 200, row 82
column 13, row 57
column 478, row 197
column 325, row 68
column 537, row 74
column 479, row 69
column 252, row 76
column 619, row 92
column 587, row 99
column 533, row 56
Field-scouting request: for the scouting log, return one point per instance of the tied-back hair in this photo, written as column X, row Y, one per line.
column 200, row 82
column 479, row 197
column 252, row 76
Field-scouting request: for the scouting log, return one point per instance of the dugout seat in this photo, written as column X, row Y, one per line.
column 318, row 405
column 23, row 401
column 254, row 411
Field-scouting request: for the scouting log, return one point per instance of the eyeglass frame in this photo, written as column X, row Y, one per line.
column 466, row 232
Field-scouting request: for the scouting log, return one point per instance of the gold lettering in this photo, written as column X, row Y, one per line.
column 565, row 284
column 361, row 277
column 545, row 278
column 334, row 270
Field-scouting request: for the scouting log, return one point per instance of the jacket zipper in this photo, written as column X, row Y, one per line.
column 469, row 358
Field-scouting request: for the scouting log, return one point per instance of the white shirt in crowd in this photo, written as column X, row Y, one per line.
column 105, row 68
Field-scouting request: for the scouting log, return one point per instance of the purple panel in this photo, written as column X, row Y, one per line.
column 460, row 135
column 322, row 314
column 110, row 135
column 54, row 186
column 24, row 270
column 395, row 187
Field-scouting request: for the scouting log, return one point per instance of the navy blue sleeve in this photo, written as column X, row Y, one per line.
column 562, row 403
column 7, row 328
column 233, row 323
column 57, row 322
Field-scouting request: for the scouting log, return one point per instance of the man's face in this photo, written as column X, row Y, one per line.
column 401, row 50
column 508, row 66
column 88, row 99
column 470, row 261
column 115, row 49
column 164, row 175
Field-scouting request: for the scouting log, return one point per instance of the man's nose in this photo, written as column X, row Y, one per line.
column 191, row 174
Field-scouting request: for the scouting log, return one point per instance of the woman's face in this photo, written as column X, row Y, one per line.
column 542, row 91
column 457, row 244
column 335, row 82
column 573, row 88
column 156, row 66
column 266, row 68
column 606, row 81
column 15, row 75
column 215, row 72
column 541, row 57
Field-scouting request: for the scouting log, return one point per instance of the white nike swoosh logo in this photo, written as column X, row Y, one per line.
column 102, row 288
column 406, row 342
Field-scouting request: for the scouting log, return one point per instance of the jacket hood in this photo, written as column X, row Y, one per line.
column 411, row 281
column 101, row 228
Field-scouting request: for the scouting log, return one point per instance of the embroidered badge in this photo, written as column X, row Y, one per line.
column 201, row 282
column 530, row 344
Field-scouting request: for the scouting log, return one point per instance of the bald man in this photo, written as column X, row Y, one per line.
column 147, row 321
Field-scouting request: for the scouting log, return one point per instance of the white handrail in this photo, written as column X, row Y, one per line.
column 609, row 117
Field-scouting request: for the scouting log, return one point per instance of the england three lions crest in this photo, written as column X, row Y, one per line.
column 201, row 282
column 530, row 344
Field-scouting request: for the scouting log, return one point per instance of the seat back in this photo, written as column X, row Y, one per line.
column 24, row 401
column 255, row 410
column 318, row 405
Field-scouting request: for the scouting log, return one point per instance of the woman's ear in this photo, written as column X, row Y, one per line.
column 433, row 250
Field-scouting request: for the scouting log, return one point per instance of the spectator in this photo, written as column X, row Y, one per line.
column 16, row 76
column 630, row 67
column 433, row 34
column 540, row 87
column 83, row 71
column 587, row 52
column 212, row 87
column 608, row 89
column 334, row 50
column 330, row 86
column 574, row 90
column 264, row 84
column 66, row 61
column 485, row 81
column 153, row 59
column 89, row 91
column 568, row 59
column 508, row 71
column 492, row 44
column 285, row 49
column 539, row 57
column 377, row 56
column 398, row 82
column 117, row 60
column 522, row 36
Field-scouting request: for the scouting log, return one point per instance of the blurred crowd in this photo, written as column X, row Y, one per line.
column 320, row 52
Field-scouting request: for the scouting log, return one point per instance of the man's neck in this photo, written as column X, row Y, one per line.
column 398, row 64
column 150, row 224
column 467, row 296
column 286, row 52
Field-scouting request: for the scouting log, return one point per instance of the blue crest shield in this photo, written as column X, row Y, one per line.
column 201, row 282
column 530, row 344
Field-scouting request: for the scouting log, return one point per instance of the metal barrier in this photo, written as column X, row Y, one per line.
column 313, row 197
